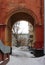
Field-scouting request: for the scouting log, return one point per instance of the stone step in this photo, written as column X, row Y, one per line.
column 1, row 62
column 4, row 62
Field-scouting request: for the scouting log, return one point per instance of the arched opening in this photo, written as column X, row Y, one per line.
column 18, row 17
column 22, row 34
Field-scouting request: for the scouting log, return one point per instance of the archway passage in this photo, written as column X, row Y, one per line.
column 20, row 16
column 26, row 17
column 22, row 34
column 13, row 19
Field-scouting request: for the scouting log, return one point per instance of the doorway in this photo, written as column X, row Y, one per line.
column 19, row 16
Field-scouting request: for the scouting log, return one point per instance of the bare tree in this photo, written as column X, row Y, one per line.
column 15, row 31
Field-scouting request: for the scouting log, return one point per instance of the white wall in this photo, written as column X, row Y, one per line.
column 44, row 26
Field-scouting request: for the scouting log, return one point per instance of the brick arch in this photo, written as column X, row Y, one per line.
column 17, row 10
column 24, row 12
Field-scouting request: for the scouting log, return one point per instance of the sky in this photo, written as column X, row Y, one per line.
column 23, row 27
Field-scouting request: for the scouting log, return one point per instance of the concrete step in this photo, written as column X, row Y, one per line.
column 4, row 58
column 4, row 62
column 1, row 62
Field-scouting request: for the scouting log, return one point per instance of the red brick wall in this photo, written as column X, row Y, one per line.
column 7, row 5
column 36, row 6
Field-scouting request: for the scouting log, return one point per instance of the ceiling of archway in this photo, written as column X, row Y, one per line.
column 20, row 16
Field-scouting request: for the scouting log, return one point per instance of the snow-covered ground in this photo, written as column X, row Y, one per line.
column 21, row 52
column 22, row 56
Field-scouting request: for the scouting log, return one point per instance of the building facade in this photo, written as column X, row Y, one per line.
column 12, row 11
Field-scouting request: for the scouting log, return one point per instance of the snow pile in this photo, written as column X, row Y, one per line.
column 24, row 48
column 26, row 61
column 41, row 60
column 23, row 57
column 21, row 52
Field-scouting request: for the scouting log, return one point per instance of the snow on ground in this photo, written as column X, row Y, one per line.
column 26, row 61
column 20, row 56
column 21, row 52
